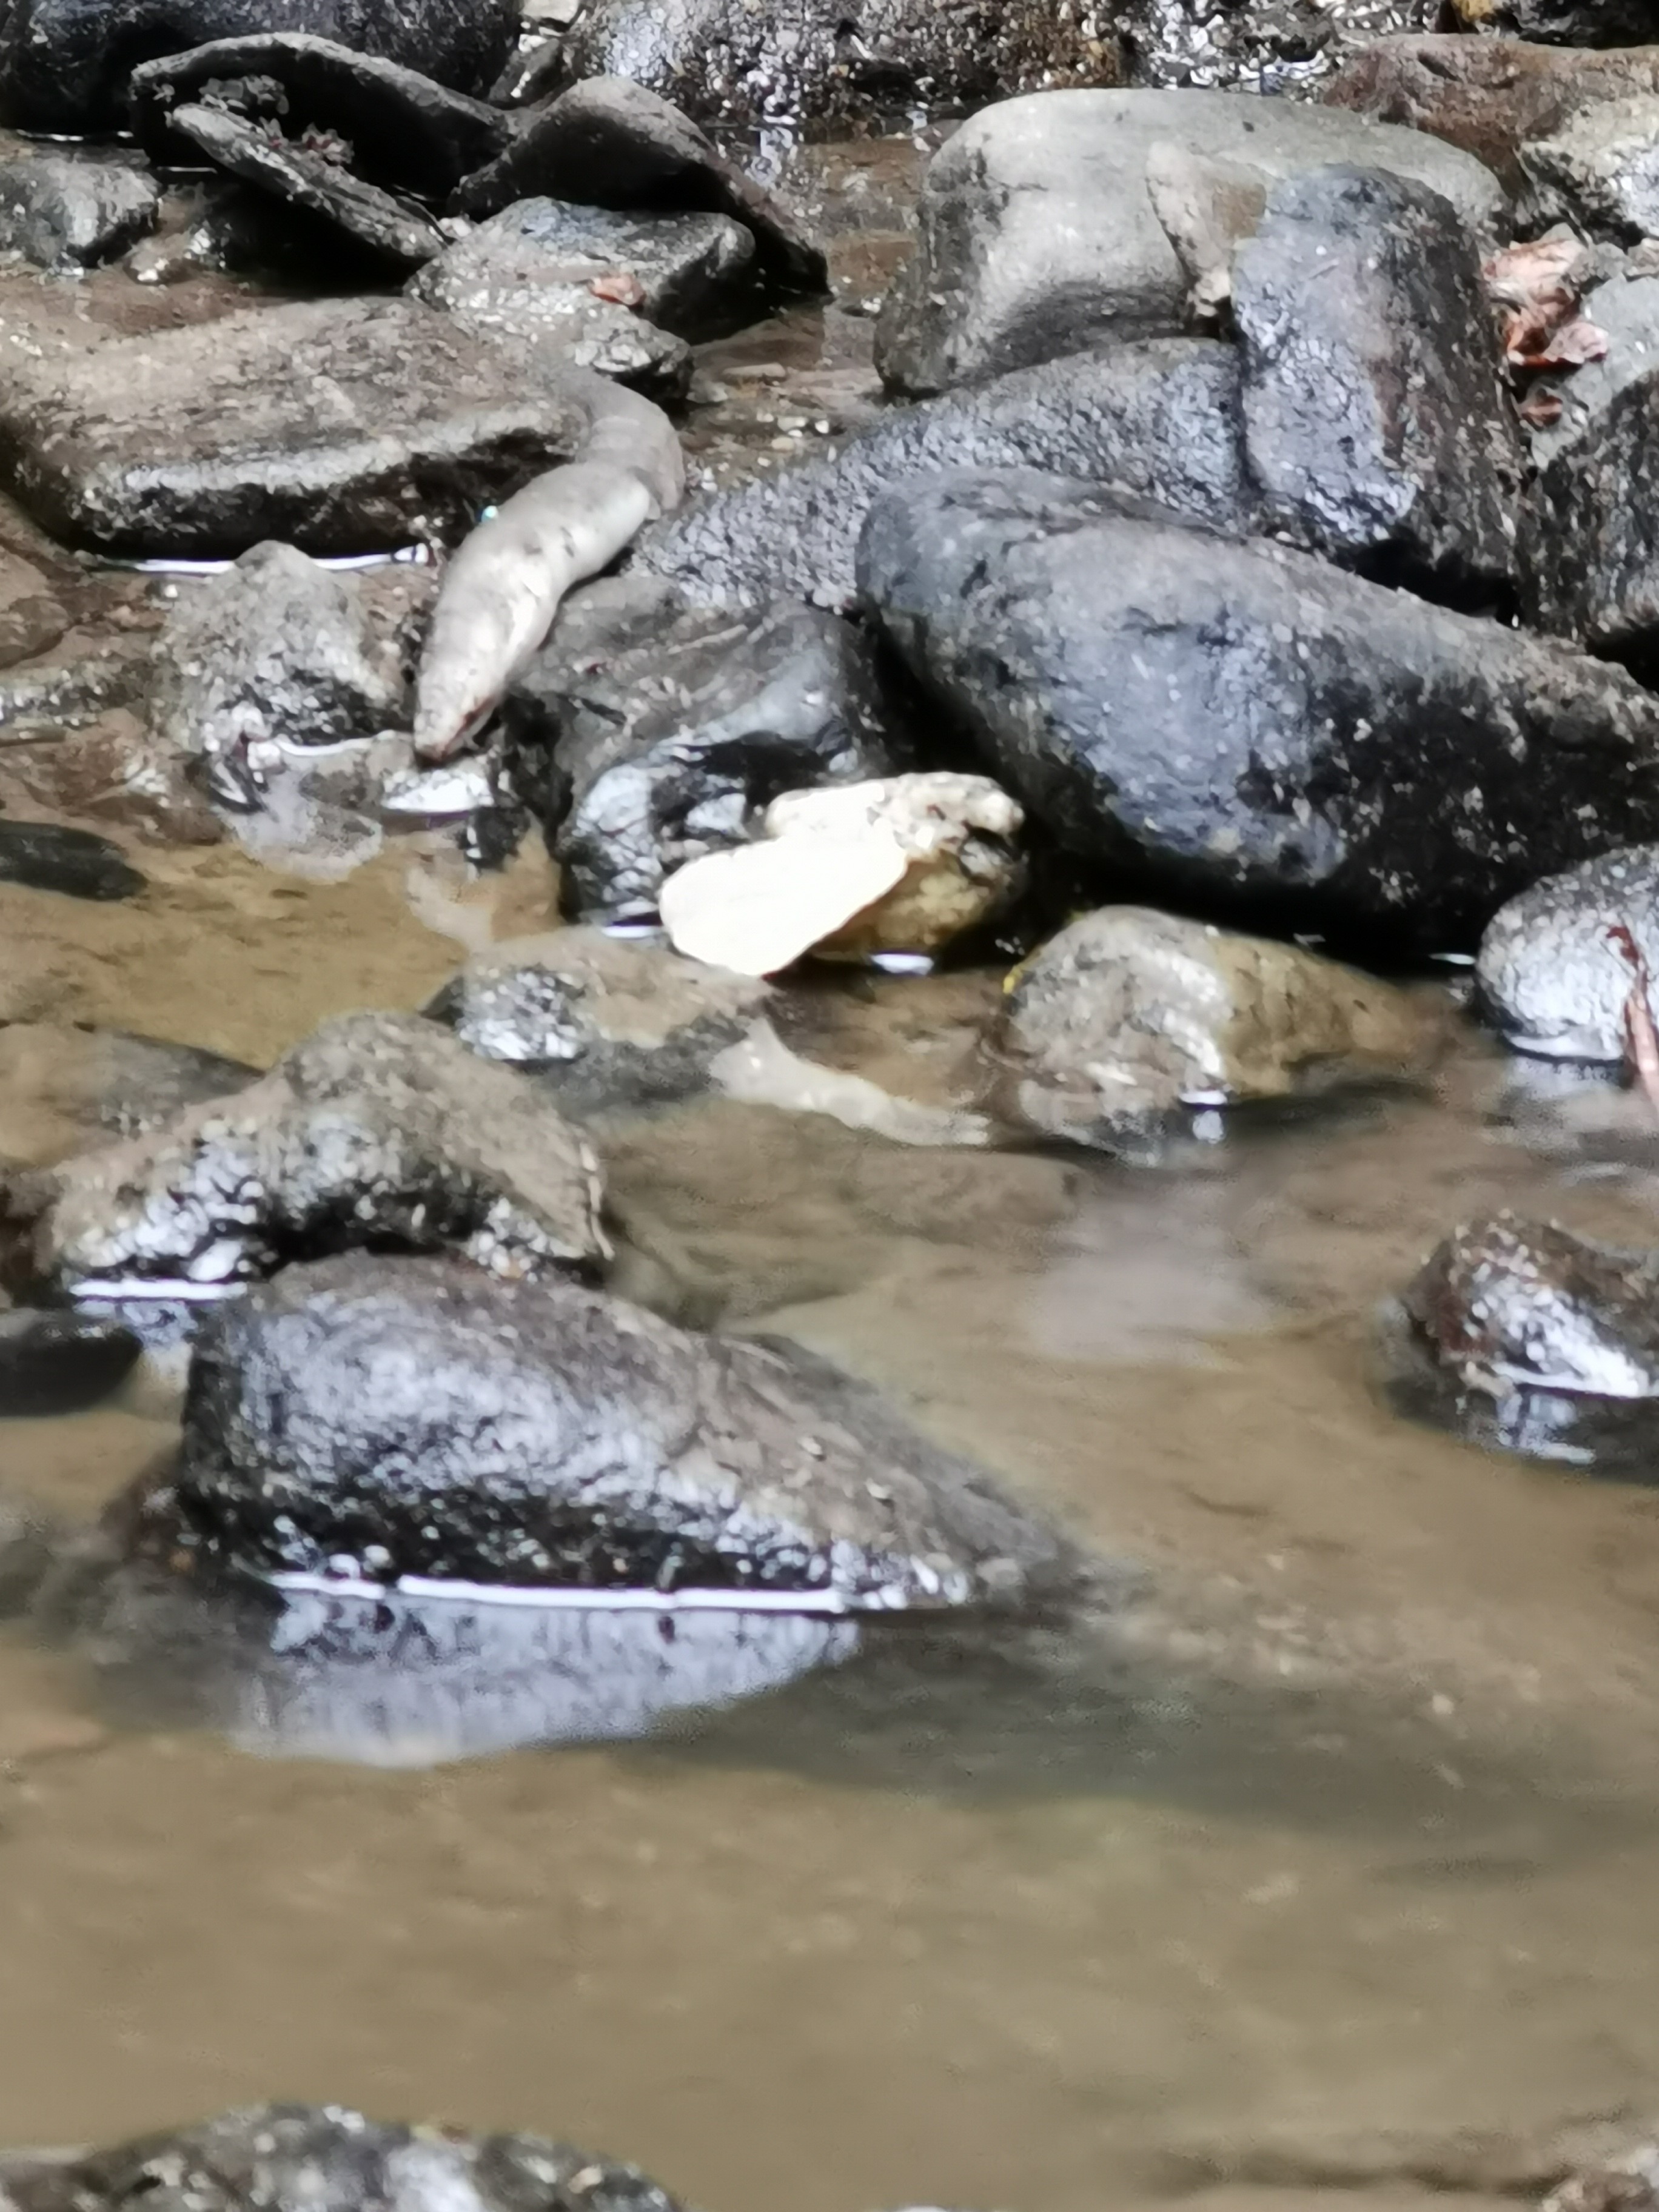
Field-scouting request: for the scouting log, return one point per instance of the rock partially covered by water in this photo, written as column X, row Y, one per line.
column 381, row 1130
column 1375, row 421
column 648, row 733
column 420, row 1420
column 1550, row 980
column 73, row 211
column 1243, row 720
column 810, row 61
column 64, row 1089
column 333, row 2159
column 611, row 143
column 1038, row 236
column 357, row 423
column 60, row 1363
column 276, row 647
column 1159, row 420
column 50, row 856
column 64, row 65
column 1129, row 1016
column 606, row 1022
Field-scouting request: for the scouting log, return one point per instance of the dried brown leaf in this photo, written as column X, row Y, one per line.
column 620, row 286
column 1539, row 409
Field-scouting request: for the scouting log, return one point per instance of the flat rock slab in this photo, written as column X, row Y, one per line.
column 358, row 424
column 1036, row 236
column 1242, row 720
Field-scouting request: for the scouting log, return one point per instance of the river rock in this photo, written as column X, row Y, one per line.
column 60, row 1363
column 1160, row 420
column 266, row 2156
column 1129, row 1016
column 690, row 274
column 73, row 211
column 276, row 649
column 64, row 1089
column 647, row 734
column 1243, row 720
column 64, row 65
column 611, row 143
column 1375, row 421
column 420, row 1420
column 1599, row 170
column 734, row 66
column 379, row 1130
column 605, row 1021
column 394, row 126
column 1549, row 979
column 50, row 856
column 1036, row 236
column 387, row 417
column 1268, row 46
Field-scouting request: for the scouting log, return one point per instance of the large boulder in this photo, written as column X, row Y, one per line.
column 358, row 424
column 808, row 61
column 1551, row 979
column 1159, row 420
column 405, row 1417
column 1036, row 235
column 379, row 1130
column 64, row 65
column 1375, row 421
column 1241, row 720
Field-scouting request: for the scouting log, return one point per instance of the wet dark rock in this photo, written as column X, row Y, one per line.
column 386, row 416
column 48, row 857
column 397, row 127
column 603, row 1021
column 694, row 273
column 311, row 180
column 1036, row 236
column 1129, row 1016
column 416, row 1417
column 729, row 63
column 1375, row 421
column 64, row 65
column 1567, row 22
column 647, row 734
column 381, row 1130
column 333, row 2159
column 66, row 211
column 1242, row 721
column 1159, row 420
column 1549, row 979
column 1268, row 46
column 611, row 143
column 1590, row 544
column 276, row 647
column 64, row 1089
column 60, row 1363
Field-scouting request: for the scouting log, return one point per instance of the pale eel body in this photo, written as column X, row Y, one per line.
column 502, row 588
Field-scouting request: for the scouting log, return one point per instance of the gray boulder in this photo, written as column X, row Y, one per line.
column 379, row 1130
column 411, row 1416
column 1158, row 420
column 732, row 65
column 1600, row 170
column 74, row 211
column 1549, row 979
column 611, row 143
column 647, row 732
column 275, row 647
column 359, row 424
column 1036, row 236
column 1375, row 421
column 690, row 274
column 1244, row 721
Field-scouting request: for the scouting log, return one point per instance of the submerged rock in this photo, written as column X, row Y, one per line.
column 330, row 2158
column 67, row 212
column 418, row 1418
column 47, row 856
column 1242, row 720
column 1549, row 979
column 647, row 735
column 62, row 1089
column 611, row 143
column 1129, row 1016
column 380, row 1131
column 1036, row 235
column 60, row 1363
column 1159, row 421
column 1374, row 419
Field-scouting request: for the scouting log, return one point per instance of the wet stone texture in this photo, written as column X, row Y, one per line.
column 73, row 214
column 560, row 1437
column 1257, row 45
column 1550, row 982
column 1242, row 720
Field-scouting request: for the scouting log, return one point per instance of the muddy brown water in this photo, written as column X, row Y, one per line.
column 1322, row 1855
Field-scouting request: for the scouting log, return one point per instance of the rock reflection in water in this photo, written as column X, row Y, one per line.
column 401, row 1681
